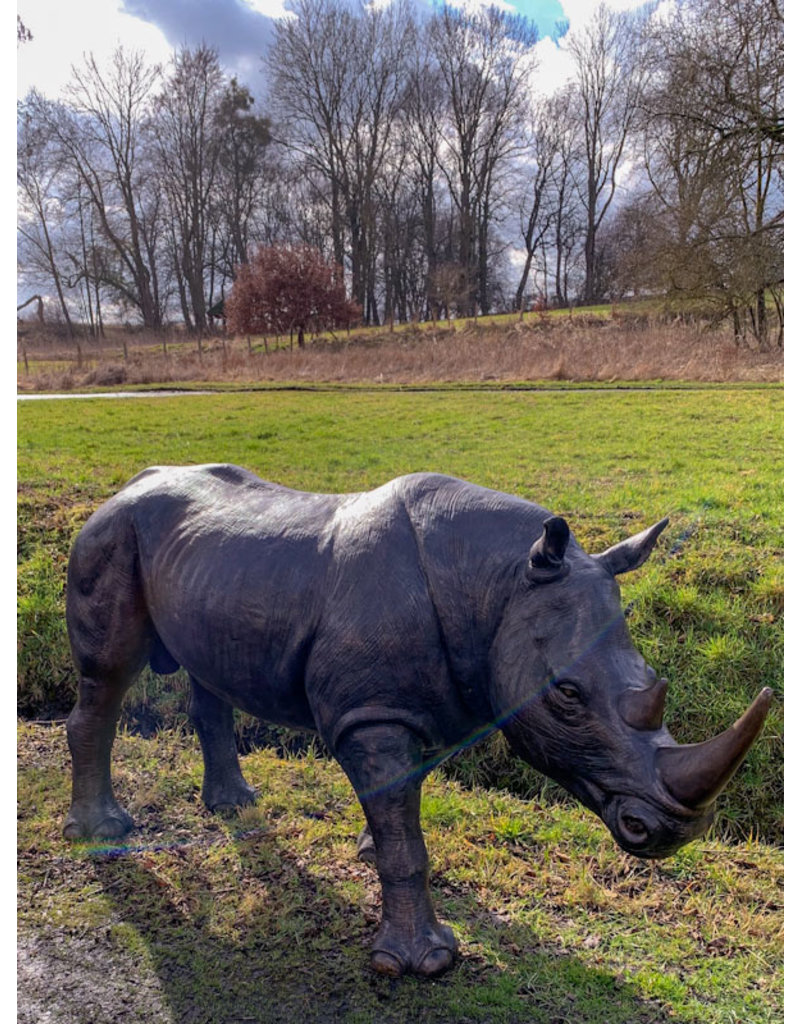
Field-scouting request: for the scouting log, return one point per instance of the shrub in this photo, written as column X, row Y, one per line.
column 288, row 288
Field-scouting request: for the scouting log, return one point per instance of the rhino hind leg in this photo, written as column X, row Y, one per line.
column 224, row 786
column 91, row 727
column 365, row 846
column 382, row 763
column 110, row 636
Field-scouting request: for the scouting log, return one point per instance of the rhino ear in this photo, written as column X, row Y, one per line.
column 630, row 554
column 546, row 560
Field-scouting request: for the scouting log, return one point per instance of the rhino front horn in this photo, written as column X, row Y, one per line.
column 696, row 773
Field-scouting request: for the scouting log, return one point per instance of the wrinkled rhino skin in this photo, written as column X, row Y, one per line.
column 399, row 624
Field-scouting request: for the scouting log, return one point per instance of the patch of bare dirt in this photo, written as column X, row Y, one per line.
column 68, row 979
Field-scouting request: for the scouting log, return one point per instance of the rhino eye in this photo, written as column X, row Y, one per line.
column 567, row 701
column 569, row 691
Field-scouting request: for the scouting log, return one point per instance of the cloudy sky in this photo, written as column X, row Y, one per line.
column 239, row 29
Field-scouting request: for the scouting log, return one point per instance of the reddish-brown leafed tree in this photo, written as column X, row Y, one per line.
column 288, row 288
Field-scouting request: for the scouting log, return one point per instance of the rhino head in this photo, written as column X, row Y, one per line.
column 576, row 699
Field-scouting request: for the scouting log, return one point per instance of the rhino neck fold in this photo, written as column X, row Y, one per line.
column 467, row 552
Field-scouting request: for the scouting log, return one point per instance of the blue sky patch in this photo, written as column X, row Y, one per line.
column 544, row 13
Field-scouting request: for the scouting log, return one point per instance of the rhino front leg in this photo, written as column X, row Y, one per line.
column 224, row 786
column 382, row 762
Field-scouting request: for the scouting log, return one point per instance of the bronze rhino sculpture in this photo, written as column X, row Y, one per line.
column 399, row 624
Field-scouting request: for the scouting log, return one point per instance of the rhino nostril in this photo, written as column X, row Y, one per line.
column 633, row 828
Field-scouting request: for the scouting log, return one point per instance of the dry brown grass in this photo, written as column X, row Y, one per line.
column 577, row 349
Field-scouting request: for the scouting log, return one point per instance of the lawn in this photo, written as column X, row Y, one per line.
column 555, row 923
column 267, row 917
column 706, row 609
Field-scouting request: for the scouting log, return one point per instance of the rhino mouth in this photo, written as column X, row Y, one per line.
column 645, row 830
column 641, row 827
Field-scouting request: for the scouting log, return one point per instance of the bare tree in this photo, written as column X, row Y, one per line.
column 549, row 126
column 86, row 257
column 99, row 132
column 24, row 34
column 484, row 59
column 608, row 80
column 713, row 131
column 187, row 134
column 39, row 306
column 40, row 184
column 423, row 113
column 309, row 74
column 337, row 77
column 243, row 173
column 567, row 223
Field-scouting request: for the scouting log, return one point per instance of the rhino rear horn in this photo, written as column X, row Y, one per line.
column 546, row 560
column 631, row 553
column 644, row 708
column 696, row 773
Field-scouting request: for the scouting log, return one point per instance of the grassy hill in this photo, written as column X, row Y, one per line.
column 590, row 345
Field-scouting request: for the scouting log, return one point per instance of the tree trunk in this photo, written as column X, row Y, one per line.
column 519, row 298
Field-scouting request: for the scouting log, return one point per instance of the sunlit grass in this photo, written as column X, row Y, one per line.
column 267, row 916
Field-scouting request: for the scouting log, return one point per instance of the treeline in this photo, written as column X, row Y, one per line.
column 418, row 153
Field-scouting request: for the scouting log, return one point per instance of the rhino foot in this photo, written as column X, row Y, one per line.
column 225, row 798
column 429, row 953
column 365, row 847
column 108, row 821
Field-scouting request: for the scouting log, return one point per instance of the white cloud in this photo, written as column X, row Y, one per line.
column 477, row 5
column 553, row 67
column 554, row 64
column 62, row 33
column 579, row 12
column 269, row 8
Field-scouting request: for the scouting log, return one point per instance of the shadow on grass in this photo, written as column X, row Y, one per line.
column 301, row 954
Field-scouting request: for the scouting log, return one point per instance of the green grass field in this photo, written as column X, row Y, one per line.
column 555, row 923
column 707, row 607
